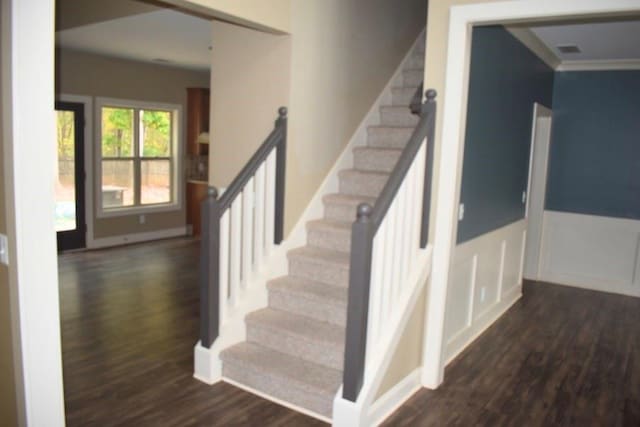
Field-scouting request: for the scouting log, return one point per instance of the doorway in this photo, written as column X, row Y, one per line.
column 70, row 218
column 539, row 159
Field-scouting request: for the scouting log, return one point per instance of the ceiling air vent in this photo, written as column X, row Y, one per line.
column 568, row 48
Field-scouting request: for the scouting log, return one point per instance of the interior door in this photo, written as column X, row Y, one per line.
column 70, row 218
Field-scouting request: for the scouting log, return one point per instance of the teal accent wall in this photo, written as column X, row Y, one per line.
column 506, row 78
column 594, row 160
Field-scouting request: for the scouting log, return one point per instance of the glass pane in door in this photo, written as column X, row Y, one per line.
column 65, row 172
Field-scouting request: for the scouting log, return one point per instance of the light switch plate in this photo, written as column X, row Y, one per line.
column 4, row 250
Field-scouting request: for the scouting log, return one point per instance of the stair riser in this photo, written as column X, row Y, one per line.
column 324, row 311
column 402, row 96
column 340, row 212
column 278, row 388
column 336, row 240
column 413, row 77
column 388, row 138
column 362, row 185
column 398, row 117
column 381, row 161
column 318, row 271
column 318, row 352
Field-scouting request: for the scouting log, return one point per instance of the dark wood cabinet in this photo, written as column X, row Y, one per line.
column 197, row 123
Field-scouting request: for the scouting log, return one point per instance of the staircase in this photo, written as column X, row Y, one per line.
column 295, row 347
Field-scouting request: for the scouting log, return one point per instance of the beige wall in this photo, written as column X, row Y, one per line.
column 249, row 81
column 97, row 76
column 272, row 15
column 74, row 13
column 8, row 404
column 342, row 55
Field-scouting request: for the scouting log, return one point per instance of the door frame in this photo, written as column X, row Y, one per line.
column 87, row 101
column 76, row 238
column 535, row 219
column 450, row 145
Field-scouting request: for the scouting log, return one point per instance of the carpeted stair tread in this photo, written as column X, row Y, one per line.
column 320, row 301
column 329, row 234
column 319, row 264
column 389, row 136
column 397, row 115
column 366, row 183
column 342, row 207
column 282, row 376
column 300, row 336
column 376, row 159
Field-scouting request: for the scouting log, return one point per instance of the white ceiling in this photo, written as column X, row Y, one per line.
column 598, row 41
column 180, row 39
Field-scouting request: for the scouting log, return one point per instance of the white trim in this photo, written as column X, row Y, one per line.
column 395, row 397
column 591, row 252
column 330, row 184
column 599, row 65
column 535, row 45
column 126, row 239
column 483, row 322
column 176, row 158
column 276, row 400
column 87, row 101
column 30, row 148
column 461, row 20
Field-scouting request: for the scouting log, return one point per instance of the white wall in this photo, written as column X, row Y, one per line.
column 485, row 280
column 591, row 252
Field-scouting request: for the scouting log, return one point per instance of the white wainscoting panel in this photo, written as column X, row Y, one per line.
column 592, row 252
column 486, row 279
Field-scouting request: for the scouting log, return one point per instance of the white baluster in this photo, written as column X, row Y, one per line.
column 258, row 246
column 270, row 202
column 247, row 231
column 224, row 266
column 377, row 269
column 388, row 225
column 397, row 245
column 236, row 250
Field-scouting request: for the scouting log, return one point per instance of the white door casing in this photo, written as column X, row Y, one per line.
column 537, row 184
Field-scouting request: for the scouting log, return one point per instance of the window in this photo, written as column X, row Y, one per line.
column 138, row 156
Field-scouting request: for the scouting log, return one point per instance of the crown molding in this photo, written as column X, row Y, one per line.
column 599, row 65
column 531, row 41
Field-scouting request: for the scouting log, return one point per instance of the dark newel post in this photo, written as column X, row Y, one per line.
column 281, row 167
column 358, row 305
column 210, row 269
column 429, row 110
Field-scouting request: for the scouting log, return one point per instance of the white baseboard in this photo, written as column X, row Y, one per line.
column 486, row 279
column 126, row 239
column 591, row 252
column 395, row 397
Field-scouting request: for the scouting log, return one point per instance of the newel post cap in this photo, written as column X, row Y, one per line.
column 364, row 211
column 282, row 111
column 212, row 192
column 431, row 95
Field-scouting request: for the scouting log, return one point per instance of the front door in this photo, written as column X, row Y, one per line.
column 70, row 176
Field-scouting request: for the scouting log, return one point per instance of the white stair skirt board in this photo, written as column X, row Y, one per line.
column 591, row 252
column 485, row 280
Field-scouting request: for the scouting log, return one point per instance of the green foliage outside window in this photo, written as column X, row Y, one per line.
column 118, row 129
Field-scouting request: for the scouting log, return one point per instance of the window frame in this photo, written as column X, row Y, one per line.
column 175, row 159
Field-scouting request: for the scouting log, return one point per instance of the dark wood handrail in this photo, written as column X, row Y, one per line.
column 363, row 231
column 416, row 102
column 213, row 208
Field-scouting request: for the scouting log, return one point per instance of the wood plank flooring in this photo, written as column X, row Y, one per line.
column 560, row 357
column 129, row 317
column 129, row 320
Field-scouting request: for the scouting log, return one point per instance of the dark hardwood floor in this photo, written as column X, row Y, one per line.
column 129, row 317
column 559, row 357
column 129, row 320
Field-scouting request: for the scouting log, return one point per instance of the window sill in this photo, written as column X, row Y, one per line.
column 138, row 210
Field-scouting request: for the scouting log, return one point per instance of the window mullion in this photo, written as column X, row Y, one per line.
column 137, row 179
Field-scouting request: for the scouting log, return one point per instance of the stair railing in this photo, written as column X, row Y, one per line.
column 238, row 228
column 385, row 242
